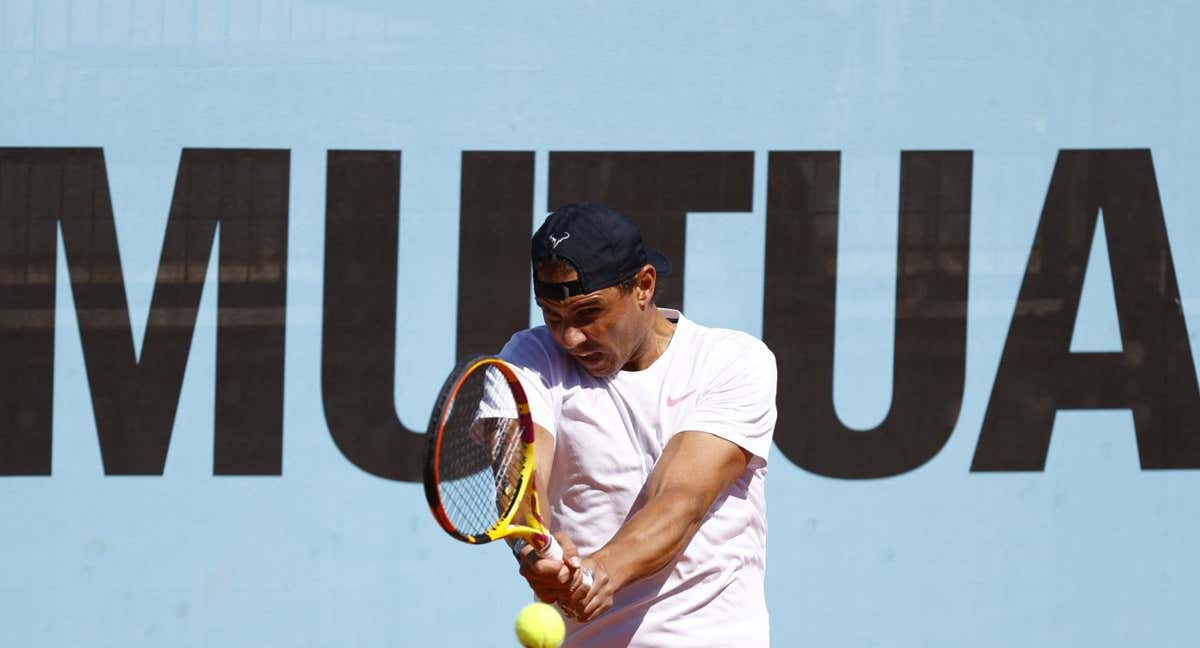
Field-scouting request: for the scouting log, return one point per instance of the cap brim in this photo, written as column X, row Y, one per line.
column 659, row 261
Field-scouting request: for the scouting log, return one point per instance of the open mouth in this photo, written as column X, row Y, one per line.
column 589, row 358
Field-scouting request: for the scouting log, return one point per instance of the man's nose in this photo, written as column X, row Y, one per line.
column 573, row 337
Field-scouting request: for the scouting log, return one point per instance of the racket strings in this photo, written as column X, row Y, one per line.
column 481, row 458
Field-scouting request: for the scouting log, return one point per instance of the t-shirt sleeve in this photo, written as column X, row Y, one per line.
column 537, row 371
column 738, row 402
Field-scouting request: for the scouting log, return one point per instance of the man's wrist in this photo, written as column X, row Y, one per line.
column 611, row 566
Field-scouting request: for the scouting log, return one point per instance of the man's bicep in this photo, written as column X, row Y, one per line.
column 738, row 404
column 699, row 465
column 543, row 446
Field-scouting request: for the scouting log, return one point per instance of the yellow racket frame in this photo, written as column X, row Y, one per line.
column 535, row 530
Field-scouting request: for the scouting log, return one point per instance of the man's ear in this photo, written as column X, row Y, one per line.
column 646, row 280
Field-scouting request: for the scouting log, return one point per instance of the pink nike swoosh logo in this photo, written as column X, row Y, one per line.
column 672, row 402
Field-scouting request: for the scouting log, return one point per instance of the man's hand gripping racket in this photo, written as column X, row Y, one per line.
column 479, row 471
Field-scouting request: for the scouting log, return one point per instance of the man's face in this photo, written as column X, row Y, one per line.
column 601, row 330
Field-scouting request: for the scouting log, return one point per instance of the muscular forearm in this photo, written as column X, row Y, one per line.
column 693, row 470
column 652, row 537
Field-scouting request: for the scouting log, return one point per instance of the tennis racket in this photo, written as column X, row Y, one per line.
column 480, row 464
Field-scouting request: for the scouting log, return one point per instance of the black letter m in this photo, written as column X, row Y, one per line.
column 135, row 399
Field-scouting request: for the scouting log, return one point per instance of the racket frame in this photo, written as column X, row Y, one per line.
column 504, row 527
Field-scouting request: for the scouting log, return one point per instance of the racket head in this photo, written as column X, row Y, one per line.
column 480, row 460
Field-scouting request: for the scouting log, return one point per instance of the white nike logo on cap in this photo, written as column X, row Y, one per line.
column 555, row 240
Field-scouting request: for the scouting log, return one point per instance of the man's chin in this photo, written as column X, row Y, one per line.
column 604, row 373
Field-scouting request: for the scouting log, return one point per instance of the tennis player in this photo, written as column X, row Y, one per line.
column 660, row 430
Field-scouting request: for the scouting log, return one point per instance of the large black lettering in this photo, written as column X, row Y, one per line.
column 657, row 190
column 1153, row 375
column 931, row 301
column 495, row 218
column 27, row 274
column 362, row 232
column 135, row 399
column 358, row 339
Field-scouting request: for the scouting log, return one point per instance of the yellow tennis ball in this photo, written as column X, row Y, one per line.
column 540, row 626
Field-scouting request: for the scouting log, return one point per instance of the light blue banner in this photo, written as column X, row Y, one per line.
column 1092, row 551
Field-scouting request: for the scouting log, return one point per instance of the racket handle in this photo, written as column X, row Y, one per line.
column 553, row 551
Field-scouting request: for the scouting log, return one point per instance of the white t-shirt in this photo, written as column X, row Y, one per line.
column 609, row 433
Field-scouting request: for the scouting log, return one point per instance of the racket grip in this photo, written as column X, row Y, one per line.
column 553, row 551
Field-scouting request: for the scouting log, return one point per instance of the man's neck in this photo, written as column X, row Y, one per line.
column 658, row 338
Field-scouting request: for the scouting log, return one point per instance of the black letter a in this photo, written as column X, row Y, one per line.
column 1153, row 375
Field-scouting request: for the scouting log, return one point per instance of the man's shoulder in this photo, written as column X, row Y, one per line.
column 533, row 336
column 533, row 348
column 726, row 345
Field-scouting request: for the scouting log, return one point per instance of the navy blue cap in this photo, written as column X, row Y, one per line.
column 602, row 244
